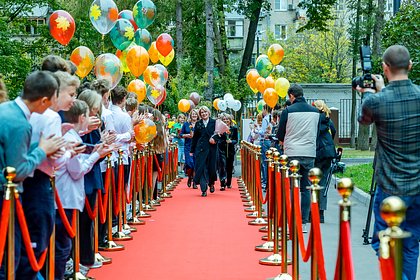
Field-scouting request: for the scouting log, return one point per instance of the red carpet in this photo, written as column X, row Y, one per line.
column 192, row 237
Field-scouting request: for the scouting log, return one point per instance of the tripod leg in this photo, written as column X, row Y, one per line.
column 372, row 191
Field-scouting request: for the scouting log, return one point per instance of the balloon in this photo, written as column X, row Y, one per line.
column 261, row 84
column 163, row 70
column 144, row 12
column 228, row 96
column 155, row 94
column 270, row 97
column 263, row 66
column 269, row 82
column 230, row 103
column 275, row 53
column 127, row 14
column 147, row 74
column 260, row 106
column 195, row 97
column 222, row 105
column 163, row 98
column 251, row 78
column 103, row 14
column 215, row 102
column 122, row 34
column 139, row 88
column 108, row 67
column 237, row 105
column 145, row 131
column 153, row 53
column 62, row 26
column 143, row 38
column 122, row 55
column 164, row 44
column 282, row 85
column 184, row 105
column 157, row 77
column 166, row 60
column 84, row 59
column 137, row 60
column 192, row 105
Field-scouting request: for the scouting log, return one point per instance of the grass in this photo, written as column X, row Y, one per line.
column 352, row 153
column 360, row 174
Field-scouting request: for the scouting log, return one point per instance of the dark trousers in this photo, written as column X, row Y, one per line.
column 63, row 244
column 38, row 205
column 103, row 228
column 126, row 177
column 229, row 169
column 86, row 228
column 18, row 245
column 325, row 165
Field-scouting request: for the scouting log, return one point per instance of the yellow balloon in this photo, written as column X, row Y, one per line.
column 166, row 60
column 269, row 82
column 281, row 86
column 153, row 53
column 215, row 103
column 275, row 53
column 270, row 97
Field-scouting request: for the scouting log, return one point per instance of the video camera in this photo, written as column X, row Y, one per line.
column 366, row 80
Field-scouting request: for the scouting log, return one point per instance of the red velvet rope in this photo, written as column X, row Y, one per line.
column 159, row 169
column 288, row 205
column 36, row 266
column 103, row 207
column 316, row 227
column 344, row 253
column 176, row 158
column 150, row 171
column 387, row 268
column 298, row 216
column 258, row 181
column 4, row 223
column 138, row 168
column 71, row 229
column 277, row 200
column 163, row 171
column 115, row 202
column 91, row 214
column 129, row 196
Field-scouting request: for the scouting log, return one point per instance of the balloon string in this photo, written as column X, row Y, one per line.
column 103, row 43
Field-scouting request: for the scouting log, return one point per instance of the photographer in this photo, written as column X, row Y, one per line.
column 395, row 110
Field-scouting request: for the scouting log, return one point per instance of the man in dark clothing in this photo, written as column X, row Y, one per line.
column 395, row 110
column 298, row 130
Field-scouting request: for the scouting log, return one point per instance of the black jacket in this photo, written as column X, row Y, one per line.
column 325, row 147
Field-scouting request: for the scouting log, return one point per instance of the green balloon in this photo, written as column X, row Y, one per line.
column 260, row 106
column 264, row 66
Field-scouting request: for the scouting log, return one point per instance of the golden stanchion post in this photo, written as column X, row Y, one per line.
column 50, row 262
column 315, row 175
column 294, row 166
column 250, row 196
column 141, row 213
column 120, row 235
column 393, row 211
column 77, row 275
column 110, row 245
column 9, row 194
column 98, row 256
column 165, row 177
column 259, row 221
column 269, row 245
column 170, row 184
column 135, row 220
column 148, row 182
column 275, row 258
column 345, row 188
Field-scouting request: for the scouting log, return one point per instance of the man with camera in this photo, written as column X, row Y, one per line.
column 395, row 110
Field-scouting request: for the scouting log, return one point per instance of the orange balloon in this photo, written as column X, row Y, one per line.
column 215, row 104
column 261, row 85
column 139, row 88
column 270, row 97
column 184, row 105
column 144, row 131
column 269, row 82
column 137, row 60
column 275, row 53
column 153, row 53
column 251, row 78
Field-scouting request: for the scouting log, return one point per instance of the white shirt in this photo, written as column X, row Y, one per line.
column 23, row 107
column 70, row 182
column 108, row 120
column 206, row 122
column 49, row 123
column 123, row 126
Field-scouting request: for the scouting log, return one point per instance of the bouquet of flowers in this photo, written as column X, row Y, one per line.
column 220, row 127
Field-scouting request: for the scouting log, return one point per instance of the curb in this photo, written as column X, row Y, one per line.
column 361, row 196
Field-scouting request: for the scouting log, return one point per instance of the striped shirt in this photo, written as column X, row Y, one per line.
column 396, row 113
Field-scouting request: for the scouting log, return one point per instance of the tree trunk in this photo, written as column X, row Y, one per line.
column 252, row 30
column 179, row 48
column 356, row 33
column 377, row 28
column 222, row 29
column 220, row 58
column 209, row 49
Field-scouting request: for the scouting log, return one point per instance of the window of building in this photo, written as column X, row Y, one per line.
column 31, row 27
column 389, row 6
column 235, row 28
column 280, row 32
column 280, row 5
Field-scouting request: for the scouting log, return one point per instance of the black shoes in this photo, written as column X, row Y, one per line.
column 212, row 188
column 229, row 186
column 222, row 188
column 321, row 216
column 222, row 185
column 203, row 194
column 194, row 186
column 189, row 182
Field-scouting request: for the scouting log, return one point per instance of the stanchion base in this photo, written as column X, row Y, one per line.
column 155, row 203
column 265, row 237
column 248, row 204
column 246, row 196
column 258, row 222
column 148, row 208
column 119, row 236
column 250, row 209
column 80, row 276
column 266, row 247
column 136, row 222
column 274, row 259
column 160, row 199
column 283, row 276
column 127, row 227
column 112, row 246
column 102, row 259
column 263, row 229
column 166, row 195
column 255, row 215
column 143, row 214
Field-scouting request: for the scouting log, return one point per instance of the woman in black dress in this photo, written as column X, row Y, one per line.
column 187, row 132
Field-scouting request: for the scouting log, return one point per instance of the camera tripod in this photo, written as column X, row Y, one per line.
column 365, row 235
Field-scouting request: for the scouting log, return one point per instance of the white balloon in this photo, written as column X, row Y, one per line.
column 230, row 103
column 237, row 105
column 228, row 97
column 222, row 105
